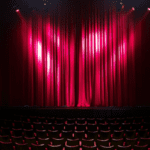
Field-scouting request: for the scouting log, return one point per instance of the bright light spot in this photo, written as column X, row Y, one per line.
column 48, row 62
column 17, row 10
column 148, row 9
column 44, row 3
column 105, row 37
column 58, row 41
column 39, row 51
column 96, row 41
column 133, row 8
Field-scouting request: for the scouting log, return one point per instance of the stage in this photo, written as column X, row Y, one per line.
column 77, row 112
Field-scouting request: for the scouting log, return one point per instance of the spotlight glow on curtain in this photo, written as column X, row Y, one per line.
column 87, row 67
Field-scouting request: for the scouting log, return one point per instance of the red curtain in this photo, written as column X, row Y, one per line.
column 76, row 60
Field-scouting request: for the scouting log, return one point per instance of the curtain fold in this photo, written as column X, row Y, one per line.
column 83, row 61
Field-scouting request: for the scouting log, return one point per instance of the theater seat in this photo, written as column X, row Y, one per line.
column 105, row 134
column 6, row 146
column 68, row 147
column 4, row 138
column 139, row 147
column 72, row 142
column 102, row 142
column 45, row 141
column 145, row 141
column 21, row 146
column 38, row 146
column 54, row 147
column 84, row 147
column 58, row 141
column 118, row 134
column 88, row 142
column 106, row 147
column 131, row 142
column 117, row 142
column 66, row 134
column 30, row 140
column 18, row 139
column 120, row 147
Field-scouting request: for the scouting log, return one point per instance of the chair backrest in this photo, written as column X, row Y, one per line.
column 38, row 146
column 81, row 126
column 103, row 126
column 67, row 134
column 45, row 141
column 131, row 142
column 18, row 139
column 6, row 145
column 30, row 140
column 79, row 134
column 26, row 125
column 28, row 132
column 118, row 134
column 50, row 119
column 53, row 133
column 71, row 120
column 17, row 132
column 69, row 147
column 129, row 119
column 102, row 142
column 117, row 142
column 70, row 126
column 54, row 147
column 60, row 120
column 41, row 133
column 145, row 141
column 5, row 130
column 92, row 134
column 120, row 147
column 72, row 142
column 120, row 120
column 4, row 138
column 21, row 146
column 90, row 120
column 58, row 141
column 41, row 119
column 92, row 127
column 33, row 118
column 125, row 126
column 110, row 120
column 47, row 126
column 130, row 133
column 100, row 120
column 84, row 147
column 139, row 147
column 59, row 126
column 114, row 126
column 105, row 134
column 106, row 147
column 142, row 132
column 88, row 142
column 17, row 124
column 80, row 120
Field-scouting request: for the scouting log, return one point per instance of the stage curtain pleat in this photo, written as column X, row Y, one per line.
column 76, row 60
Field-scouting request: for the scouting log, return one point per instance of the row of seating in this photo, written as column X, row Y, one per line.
column 73, row 126
column 44, row 133
column 103, row 134
column 44, row 144
column 80, row 120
